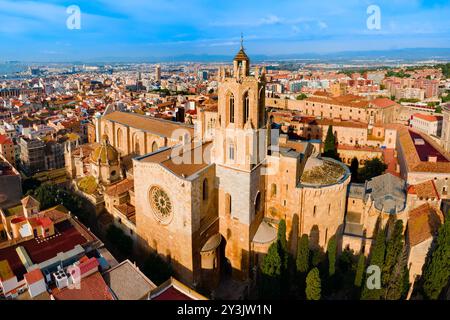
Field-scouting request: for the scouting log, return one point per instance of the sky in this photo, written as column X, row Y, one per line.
column 37, row 30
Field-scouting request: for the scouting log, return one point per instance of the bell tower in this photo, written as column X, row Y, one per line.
column 239, row 151
column 241, row 115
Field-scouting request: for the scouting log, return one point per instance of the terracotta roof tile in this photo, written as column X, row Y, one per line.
column 423, row 223
column 152, row 125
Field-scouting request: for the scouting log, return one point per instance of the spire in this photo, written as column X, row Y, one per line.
column 242, row 41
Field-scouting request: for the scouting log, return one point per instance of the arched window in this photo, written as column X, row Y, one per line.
column 231, row 107
column 137, row 148
column 231, row 150
column 246, row 107
column 273, row 190
column 258, row 203
column 228, row 203
column 154, row 146
column 205, row 189
column 119, row 138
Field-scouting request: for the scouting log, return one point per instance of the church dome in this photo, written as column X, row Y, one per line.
column 105, row 153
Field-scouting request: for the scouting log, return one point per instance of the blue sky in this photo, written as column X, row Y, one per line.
column 36, row 30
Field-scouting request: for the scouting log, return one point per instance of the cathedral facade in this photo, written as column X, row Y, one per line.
column 209, row 199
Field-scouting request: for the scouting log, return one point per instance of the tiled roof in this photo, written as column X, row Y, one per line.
column 34, row 276
column 423, row 223
column 4, row 139
column 175, row 160
column 426, row 117
column 415, row 162
column 120, row 188
column 156, row 126
column 382, row 102
column 92, row 287
column 127, row 282
column 426, row 190
column 172, row 289
column 29, row 202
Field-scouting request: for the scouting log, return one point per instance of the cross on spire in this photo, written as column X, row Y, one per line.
column 242, row 40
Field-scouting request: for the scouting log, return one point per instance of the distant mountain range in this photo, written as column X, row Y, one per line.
column 411, row 54
column 400, row 55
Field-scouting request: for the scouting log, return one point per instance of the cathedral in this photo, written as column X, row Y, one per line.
column 208, row 198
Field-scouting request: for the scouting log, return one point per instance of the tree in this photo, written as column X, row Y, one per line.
column 317, row 257
column 331, row 250
column 50, row 195
column 354, row 169
column 394, row 250
column 302, row 96
column 372, row 168
column 271, row 273
column 302, row 261
column 376, row 259
column 313, row 285
column 360, row 270
column 282, row 234
column 29, row 185
column 437, row 269
column 329, row 149
column 284, row 255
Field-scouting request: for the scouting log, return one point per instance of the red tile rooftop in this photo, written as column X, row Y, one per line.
column 92, row 287
column 171, row 293
column 39, row 250
column 426, row 150
column 34, row 276
column 66, row 238
column 427, row 117
column 9, row 254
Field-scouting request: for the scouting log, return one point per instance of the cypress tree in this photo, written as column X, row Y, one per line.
column 302, row 261
column 329, row 149
column 392, row 272
column 377, row 259
column 271, row 273
column 360, row 270
column 354, row 166
column 331, row 250
column 313, row 285
column 437, row 268
column 282, row 234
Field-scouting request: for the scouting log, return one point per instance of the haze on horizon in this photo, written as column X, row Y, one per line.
column 37, row 31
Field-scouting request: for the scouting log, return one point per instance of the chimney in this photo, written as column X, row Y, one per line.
column 432, row 158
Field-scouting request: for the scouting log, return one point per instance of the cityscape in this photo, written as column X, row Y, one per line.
column 239, row 160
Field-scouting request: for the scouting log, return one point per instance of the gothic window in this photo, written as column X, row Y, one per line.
column 154, row 146
column 231, row 151
column 258, row 203
column 119, row 138
column 273, row 190
column 314, row 211
column 205, row 189
column 246, row 107
column 228, row 203
column 231, row 107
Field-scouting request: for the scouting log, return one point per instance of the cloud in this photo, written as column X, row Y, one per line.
column 271, row 19
column 322, row 25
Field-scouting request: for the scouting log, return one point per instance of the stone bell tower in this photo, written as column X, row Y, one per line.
column 238, row 152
